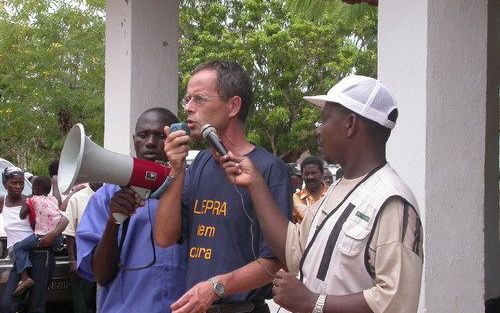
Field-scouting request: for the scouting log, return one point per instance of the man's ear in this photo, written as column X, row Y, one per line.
column 352, row 124
column 234, row 106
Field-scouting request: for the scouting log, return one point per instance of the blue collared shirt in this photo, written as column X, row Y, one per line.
column 149, row 290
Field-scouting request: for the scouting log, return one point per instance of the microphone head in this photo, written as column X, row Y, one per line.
column 206, row 130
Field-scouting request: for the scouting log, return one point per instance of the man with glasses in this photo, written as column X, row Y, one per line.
column 137, row 275
column 229, row 263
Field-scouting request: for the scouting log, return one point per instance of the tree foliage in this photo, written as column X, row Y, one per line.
column 52, row 66
column 287, row 55
column 51, row 76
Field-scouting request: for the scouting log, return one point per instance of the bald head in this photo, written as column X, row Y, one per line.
column 165, row 116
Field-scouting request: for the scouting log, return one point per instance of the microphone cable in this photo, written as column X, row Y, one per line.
column 251, row 232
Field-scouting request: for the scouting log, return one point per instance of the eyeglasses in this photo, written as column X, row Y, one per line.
column 198, row 99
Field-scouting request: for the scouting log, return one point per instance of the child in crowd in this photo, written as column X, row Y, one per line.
column 45, row 215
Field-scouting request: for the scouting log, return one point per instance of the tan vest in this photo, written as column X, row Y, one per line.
column 334, row 259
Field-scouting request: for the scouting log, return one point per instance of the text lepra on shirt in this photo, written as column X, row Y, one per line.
column 213, row 207
column 199, row 252
column 205, row 231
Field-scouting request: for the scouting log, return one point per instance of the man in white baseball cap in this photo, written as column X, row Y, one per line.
column 362, row 95
column 360, row 249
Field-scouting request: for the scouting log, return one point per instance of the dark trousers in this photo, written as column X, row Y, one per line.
column 240, row 307
column 23, row 248
column 83, row 293
column 43, row 262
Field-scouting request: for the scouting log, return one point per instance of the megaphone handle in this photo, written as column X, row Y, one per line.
column 142, row 192
column 119, row 217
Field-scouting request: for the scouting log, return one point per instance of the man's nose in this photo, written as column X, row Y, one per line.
column 189, row 106
column 151, row 140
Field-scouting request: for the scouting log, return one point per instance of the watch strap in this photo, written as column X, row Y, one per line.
column 215, row 284
column 320, row 304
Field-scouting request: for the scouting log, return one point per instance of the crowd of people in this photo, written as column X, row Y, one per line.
column 232, row 230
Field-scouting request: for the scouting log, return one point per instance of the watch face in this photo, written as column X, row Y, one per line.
column 219, row 289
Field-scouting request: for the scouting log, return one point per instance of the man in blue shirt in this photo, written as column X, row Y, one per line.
column 137, row 275
column 229, row 263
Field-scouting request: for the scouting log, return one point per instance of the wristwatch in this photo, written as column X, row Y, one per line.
column 218, row 287
column 320, row 304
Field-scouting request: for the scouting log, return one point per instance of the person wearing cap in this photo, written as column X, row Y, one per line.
column 360, row 249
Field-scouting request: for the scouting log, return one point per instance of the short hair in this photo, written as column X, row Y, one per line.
column 232, row 80
column 312, row 160
column 42, row 184
column 53, row 167
column 165, row 114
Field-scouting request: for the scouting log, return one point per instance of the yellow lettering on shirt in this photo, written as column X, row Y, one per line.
column 205, row 231
column 213, row 207
column 198, row 253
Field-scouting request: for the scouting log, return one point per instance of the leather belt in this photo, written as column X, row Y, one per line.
column 237, row 307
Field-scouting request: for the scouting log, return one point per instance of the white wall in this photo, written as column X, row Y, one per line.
column 433, row 55
column 141, row 65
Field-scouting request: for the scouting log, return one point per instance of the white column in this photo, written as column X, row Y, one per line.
column 433, row 55
column 141, row 65
column 492, row 211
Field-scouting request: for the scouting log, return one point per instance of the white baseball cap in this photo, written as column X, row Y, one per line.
column 363, row 95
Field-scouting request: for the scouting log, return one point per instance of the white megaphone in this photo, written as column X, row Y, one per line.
column 84, row 161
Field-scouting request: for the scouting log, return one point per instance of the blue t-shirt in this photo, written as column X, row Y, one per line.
column 216, row 225
column 150, row 290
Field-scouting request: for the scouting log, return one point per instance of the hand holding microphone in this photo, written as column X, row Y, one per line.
column 177, row 146
column 239, row 170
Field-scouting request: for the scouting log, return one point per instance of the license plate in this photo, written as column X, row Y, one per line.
column 59, row 285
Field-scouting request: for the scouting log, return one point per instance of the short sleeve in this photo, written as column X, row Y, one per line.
column 296, row 239
column 91, row 228
column 397, row 259
column 280, row 187
column 71, row 215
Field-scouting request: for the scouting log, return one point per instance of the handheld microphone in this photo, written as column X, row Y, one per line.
column 210, row 134
column 180, row 126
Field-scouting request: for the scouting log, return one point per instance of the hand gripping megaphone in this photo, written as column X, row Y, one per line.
column 84, row 161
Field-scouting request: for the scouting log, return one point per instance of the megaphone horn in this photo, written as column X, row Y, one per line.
column 83, row 161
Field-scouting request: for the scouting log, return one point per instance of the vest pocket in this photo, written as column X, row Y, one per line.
column 353, row 238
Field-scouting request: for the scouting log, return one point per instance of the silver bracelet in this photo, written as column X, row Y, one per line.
column 320, row 303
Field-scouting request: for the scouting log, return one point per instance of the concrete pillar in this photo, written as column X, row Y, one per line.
column 141, row 65
column 433, row 55
column 492, row 212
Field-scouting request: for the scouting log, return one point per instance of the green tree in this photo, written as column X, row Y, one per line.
column 287, row 55
column 52, row 67
column 51, row 76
